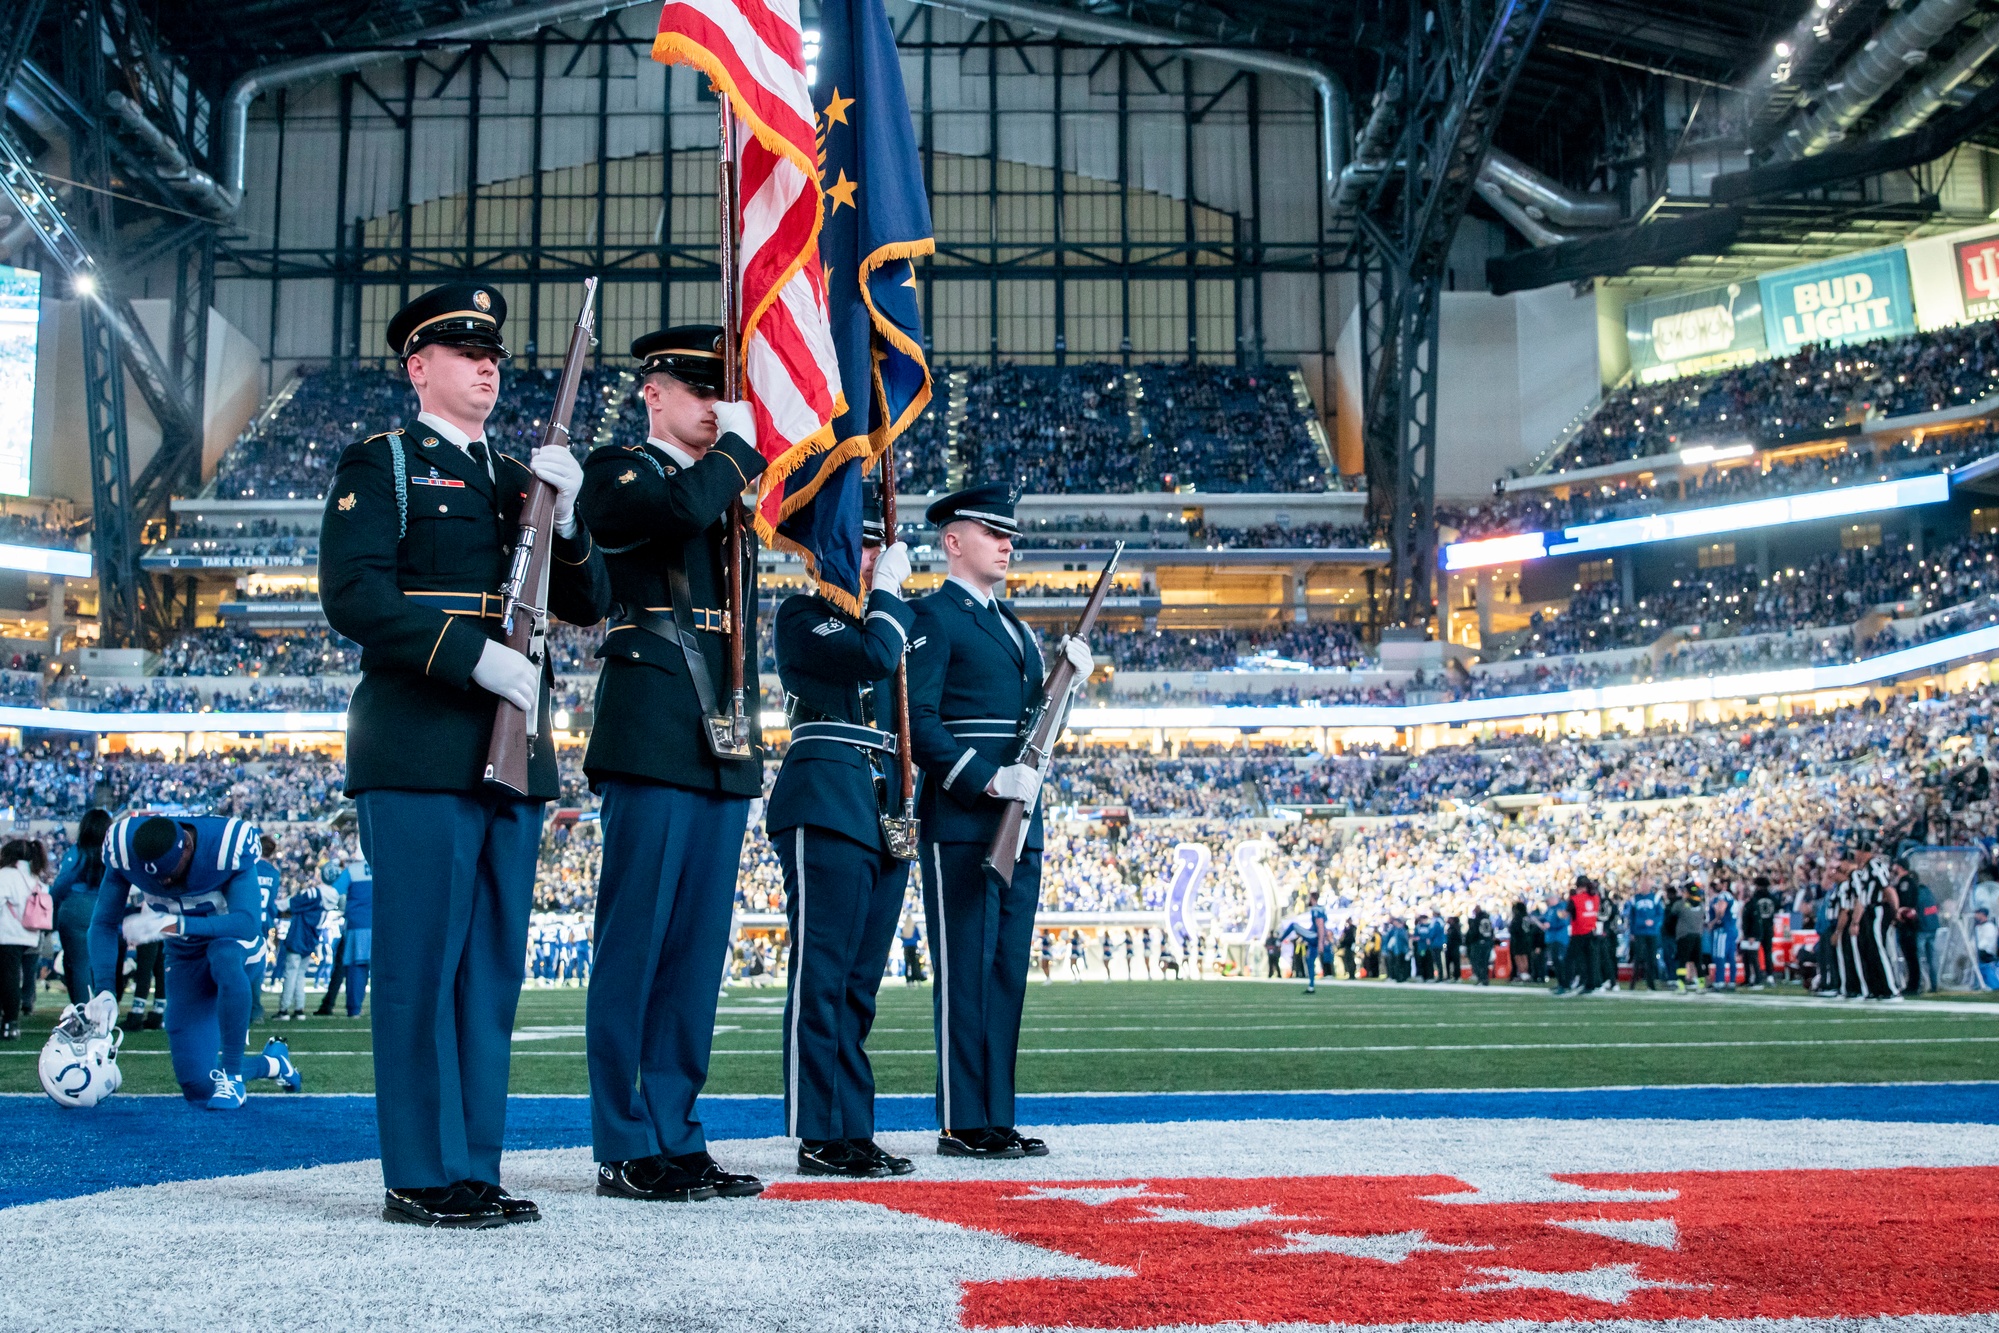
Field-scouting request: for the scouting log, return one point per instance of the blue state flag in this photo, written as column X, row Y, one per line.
column 876, row 226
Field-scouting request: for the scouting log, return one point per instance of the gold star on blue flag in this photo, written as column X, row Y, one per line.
column 876, row 225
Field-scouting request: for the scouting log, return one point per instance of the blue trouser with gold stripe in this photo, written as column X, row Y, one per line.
column 981, row 938
column 842, row 900
column 664, row 902
column 454, row 880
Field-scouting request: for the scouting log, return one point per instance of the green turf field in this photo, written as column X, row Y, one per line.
column 1098, row 1036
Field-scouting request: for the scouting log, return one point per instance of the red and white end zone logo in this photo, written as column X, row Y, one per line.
column 1394, row 1249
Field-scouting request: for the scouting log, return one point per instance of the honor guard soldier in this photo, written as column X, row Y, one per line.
column 975, row 671
column 843, row 884
column 417, row 537
column 674, row 809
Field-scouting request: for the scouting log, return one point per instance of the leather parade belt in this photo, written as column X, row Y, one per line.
column 479, row 605
column 844, row 733
column 649, row 619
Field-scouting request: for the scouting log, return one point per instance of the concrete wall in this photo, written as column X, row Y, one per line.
column 61, row 463
column 1512, row 371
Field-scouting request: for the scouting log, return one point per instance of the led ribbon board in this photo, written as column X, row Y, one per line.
column 1874, row 498
column 42, row 560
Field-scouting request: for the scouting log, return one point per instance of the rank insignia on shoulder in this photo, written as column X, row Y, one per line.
column 918, row 642
column 347, row 502
column 628, row 476
column 830, row 627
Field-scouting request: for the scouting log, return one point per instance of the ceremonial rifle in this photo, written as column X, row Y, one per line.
column 729, row 734
column 524, row 596
column 1042, row 726
column 901, row 831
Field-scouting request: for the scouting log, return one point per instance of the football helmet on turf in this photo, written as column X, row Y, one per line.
column 79, row 1063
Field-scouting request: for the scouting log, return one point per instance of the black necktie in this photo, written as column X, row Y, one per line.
column 478, row 451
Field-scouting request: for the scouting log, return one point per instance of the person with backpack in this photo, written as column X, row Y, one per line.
column 74, row 894
column 22, row 920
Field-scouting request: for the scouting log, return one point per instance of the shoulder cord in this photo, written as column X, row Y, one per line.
column 401, row 466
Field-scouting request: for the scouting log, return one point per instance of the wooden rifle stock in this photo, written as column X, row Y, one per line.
column 524, row 596
column 1044, row 727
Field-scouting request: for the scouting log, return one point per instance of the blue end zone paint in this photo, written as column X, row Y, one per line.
column 47, row 1152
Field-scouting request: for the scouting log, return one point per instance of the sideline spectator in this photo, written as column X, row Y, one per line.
column 20, row 866
column 75, row 896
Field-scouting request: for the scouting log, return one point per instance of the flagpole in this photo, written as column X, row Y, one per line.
column 732, row 391
column 905, row 761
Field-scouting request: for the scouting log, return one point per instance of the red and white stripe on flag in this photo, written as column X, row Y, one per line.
column 754, row 54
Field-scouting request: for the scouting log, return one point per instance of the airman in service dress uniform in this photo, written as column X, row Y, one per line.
column 673, row 813
column 974, row 672
column 842, row 886
column 417, row 537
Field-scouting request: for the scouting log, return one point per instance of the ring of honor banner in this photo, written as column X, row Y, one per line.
column 877, row 225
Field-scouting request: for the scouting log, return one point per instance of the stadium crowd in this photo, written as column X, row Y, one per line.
column 1815, row 392
column 1833, row 589
column 1051, row 429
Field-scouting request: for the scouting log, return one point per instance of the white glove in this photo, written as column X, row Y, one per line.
column 1015, row 782
column 1078, row 654
column 559, row 468
column 509, row 674
column 736, row 419
column 892, row 568
column 145, row 925
column 102, row 1011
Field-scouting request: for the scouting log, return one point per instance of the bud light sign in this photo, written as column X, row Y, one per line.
column 1978, row 276
column 1842, row 301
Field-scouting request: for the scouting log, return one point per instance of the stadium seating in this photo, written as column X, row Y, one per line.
column 1067, row 430
column 1816, row 392
column 1833, row 590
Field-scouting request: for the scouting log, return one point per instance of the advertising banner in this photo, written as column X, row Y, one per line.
column 1841, row 301
column 1978, row 276
column 1692, row 333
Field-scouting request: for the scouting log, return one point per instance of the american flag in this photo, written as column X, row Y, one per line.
column 754, row 54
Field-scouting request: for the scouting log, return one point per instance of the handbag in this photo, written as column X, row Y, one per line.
column 39, row 912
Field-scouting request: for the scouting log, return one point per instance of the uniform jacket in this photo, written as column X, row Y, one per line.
column 969, row 686
column 824, row 657
column 643, row 508
column 417, row 721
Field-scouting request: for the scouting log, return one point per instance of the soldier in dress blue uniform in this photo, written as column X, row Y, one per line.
column 417, row 538
column 842, row 885
column 974, row 672
column 673, row 811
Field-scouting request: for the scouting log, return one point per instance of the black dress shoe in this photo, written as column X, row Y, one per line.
column 897, row 1166
column 838, row 1157
column 726, row 1184
column 441, row 1206
column 1028, row 1147
column 154, row 1021
column 985, row 1143
column 654, row 1179
column 511, row 1208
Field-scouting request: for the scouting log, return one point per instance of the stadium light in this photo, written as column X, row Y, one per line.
column 84, row 285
